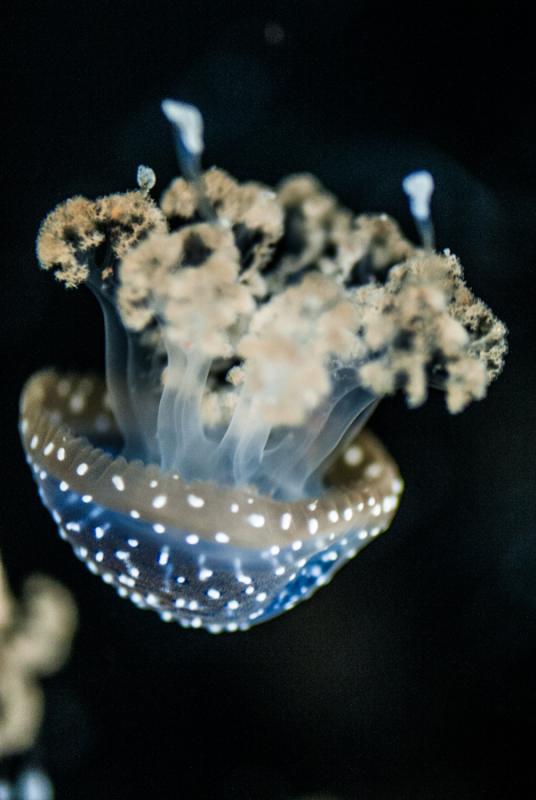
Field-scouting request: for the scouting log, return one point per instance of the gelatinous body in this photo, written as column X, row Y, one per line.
column 250, row 332
column 221, row 558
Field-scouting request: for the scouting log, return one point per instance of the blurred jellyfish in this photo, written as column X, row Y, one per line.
column 35, row 639
column 220, row 474
column 34, row 784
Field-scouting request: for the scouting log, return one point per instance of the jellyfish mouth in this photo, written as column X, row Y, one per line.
column 69, row 432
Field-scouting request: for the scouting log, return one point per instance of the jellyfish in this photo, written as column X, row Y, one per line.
column 221, row 471
column 35, row 638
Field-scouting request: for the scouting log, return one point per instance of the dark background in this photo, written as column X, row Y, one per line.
column 413, row 674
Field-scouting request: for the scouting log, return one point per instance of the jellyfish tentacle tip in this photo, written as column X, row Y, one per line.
column 419, row 187
column 250, row 334
column 188, row 121
column 145, row 178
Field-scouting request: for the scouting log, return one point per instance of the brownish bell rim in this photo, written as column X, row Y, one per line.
column 60, row 414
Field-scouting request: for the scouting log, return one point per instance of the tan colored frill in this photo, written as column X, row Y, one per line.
column 310, row 213
column 382, row 240
column 320, row 231
column 71, row 233
column 188, row 281
column 425, row 326
column 250, row 209
column 287, row 284
column 288, row 345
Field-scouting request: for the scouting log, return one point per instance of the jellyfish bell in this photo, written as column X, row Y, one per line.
column 206, row 555
column 221, row 472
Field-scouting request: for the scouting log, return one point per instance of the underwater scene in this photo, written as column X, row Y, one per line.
column 269, row 330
